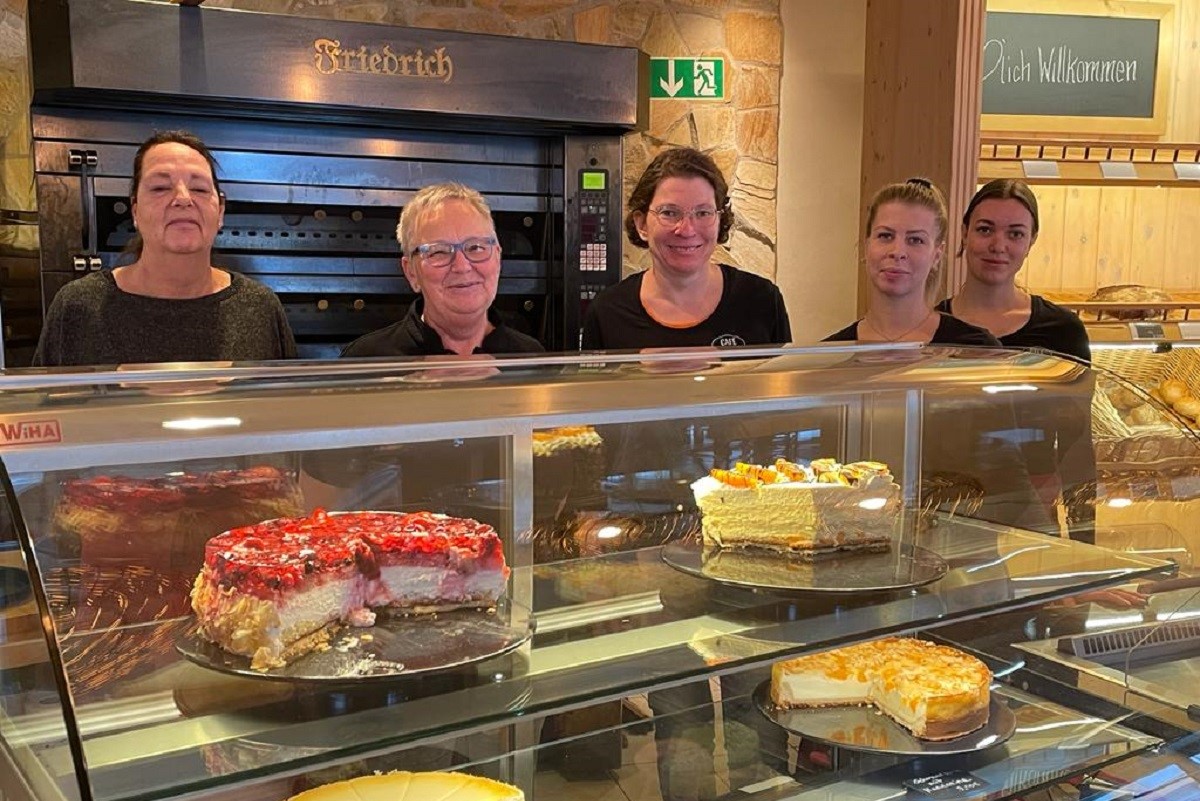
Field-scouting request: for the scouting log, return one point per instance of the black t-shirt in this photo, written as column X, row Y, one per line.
column 950, row 331
column 413, row 337
column 750, row 312
column 1050, row 328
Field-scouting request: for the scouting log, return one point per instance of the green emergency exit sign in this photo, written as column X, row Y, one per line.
column 693, row 78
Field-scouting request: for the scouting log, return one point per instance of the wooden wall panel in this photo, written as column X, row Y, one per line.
column 1045, row 265
column 1183, row 239
column 1148, row 236
column 1114, row 243
column 1116, row 235
column 1184, row 123
column 1081, row 239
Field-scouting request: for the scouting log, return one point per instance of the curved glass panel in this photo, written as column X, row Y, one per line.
column 975, row 477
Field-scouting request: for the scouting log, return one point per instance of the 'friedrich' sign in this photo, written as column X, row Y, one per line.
column 1066, row 69
column 331, row 57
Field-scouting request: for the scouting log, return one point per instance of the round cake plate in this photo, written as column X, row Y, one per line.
column 397, row 646
column 900, row 567
column 864, row 728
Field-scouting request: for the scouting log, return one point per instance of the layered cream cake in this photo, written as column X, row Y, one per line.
column 804, row 511
column 405, row 786
column 272, row 590
column 934, row 691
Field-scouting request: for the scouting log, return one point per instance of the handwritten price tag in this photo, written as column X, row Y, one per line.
column 949, row 785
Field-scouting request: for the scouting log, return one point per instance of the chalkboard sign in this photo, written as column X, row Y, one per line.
column 1075, row 71
column 948, row 786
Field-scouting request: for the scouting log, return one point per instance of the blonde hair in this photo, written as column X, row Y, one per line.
column 430, row 198
column 915, row 192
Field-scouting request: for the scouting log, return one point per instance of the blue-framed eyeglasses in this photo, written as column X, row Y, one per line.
column 673, row 215
column 441, row 254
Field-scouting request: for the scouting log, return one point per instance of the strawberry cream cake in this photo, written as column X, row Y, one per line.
column 273, row 591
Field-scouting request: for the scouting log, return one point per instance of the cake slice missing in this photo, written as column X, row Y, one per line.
column 272, row 591
column 934, row 691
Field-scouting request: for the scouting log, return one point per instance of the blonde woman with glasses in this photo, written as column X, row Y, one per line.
column 451, row 258
column 680, row 212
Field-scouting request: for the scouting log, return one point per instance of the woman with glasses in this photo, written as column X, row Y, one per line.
column 680, row 212
column 451, row 258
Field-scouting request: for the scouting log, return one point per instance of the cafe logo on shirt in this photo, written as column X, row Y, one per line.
column 30, row 432
column 728, row 341
column 330, row 58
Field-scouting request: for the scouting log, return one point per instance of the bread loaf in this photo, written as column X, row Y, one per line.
column 1173, row 390
column 1188, row 407
column 1145, row 415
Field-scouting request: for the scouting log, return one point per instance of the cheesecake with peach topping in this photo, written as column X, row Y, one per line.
column 934, row 691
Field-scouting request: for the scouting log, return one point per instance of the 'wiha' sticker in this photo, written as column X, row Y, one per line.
column 30, row 432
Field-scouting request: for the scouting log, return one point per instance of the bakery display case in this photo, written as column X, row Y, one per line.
column 648, row 579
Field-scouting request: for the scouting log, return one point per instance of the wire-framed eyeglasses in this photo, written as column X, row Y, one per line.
column 673, row 215
column 441, row 254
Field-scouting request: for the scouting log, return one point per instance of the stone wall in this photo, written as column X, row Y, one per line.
column 741, row 132
column 16, row 158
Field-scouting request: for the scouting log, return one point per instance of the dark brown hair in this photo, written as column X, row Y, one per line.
column 915, row 192
column 1006, row 189
column 678, row 162
column 162, row 138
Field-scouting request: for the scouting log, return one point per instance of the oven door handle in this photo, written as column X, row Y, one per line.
column 86, row 162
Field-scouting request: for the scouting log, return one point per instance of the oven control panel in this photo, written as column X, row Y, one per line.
column 593, row 232
column 592, row 241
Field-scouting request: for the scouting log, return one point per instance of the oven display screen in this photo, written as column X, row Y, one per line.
column 594, row 180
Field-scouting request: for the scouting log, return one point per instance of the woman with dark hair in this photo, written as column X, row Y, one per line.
column 170, row 304
column 680, row 212
column 999, row 228
column 904, row 249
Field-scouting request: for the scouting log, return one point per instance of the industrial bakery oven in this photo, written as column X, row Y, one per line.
column 323, row 130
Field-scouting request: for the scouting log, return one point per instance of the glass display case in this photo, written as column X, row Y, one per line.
column 629, row 656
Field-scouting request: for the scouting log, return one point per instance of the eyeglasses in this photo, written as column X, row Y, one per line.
column 441, row 254
column 673, row 215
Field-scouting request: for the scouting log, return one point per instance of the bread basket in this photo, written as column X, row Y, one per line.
column 1117, row 439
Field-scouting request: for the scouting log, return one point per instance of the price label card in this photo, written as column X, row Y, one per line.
column 1146, row 330
column 1189, row 330
column 948, row 785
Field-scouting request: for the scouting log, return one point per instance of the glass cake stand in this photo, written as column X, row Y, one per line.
column 864, row 728
column 901, row 566
column 396, row 646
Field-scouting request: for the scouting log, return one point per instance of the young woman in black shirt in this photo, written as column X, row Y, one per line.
column 999, row 228
column 904, row 250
